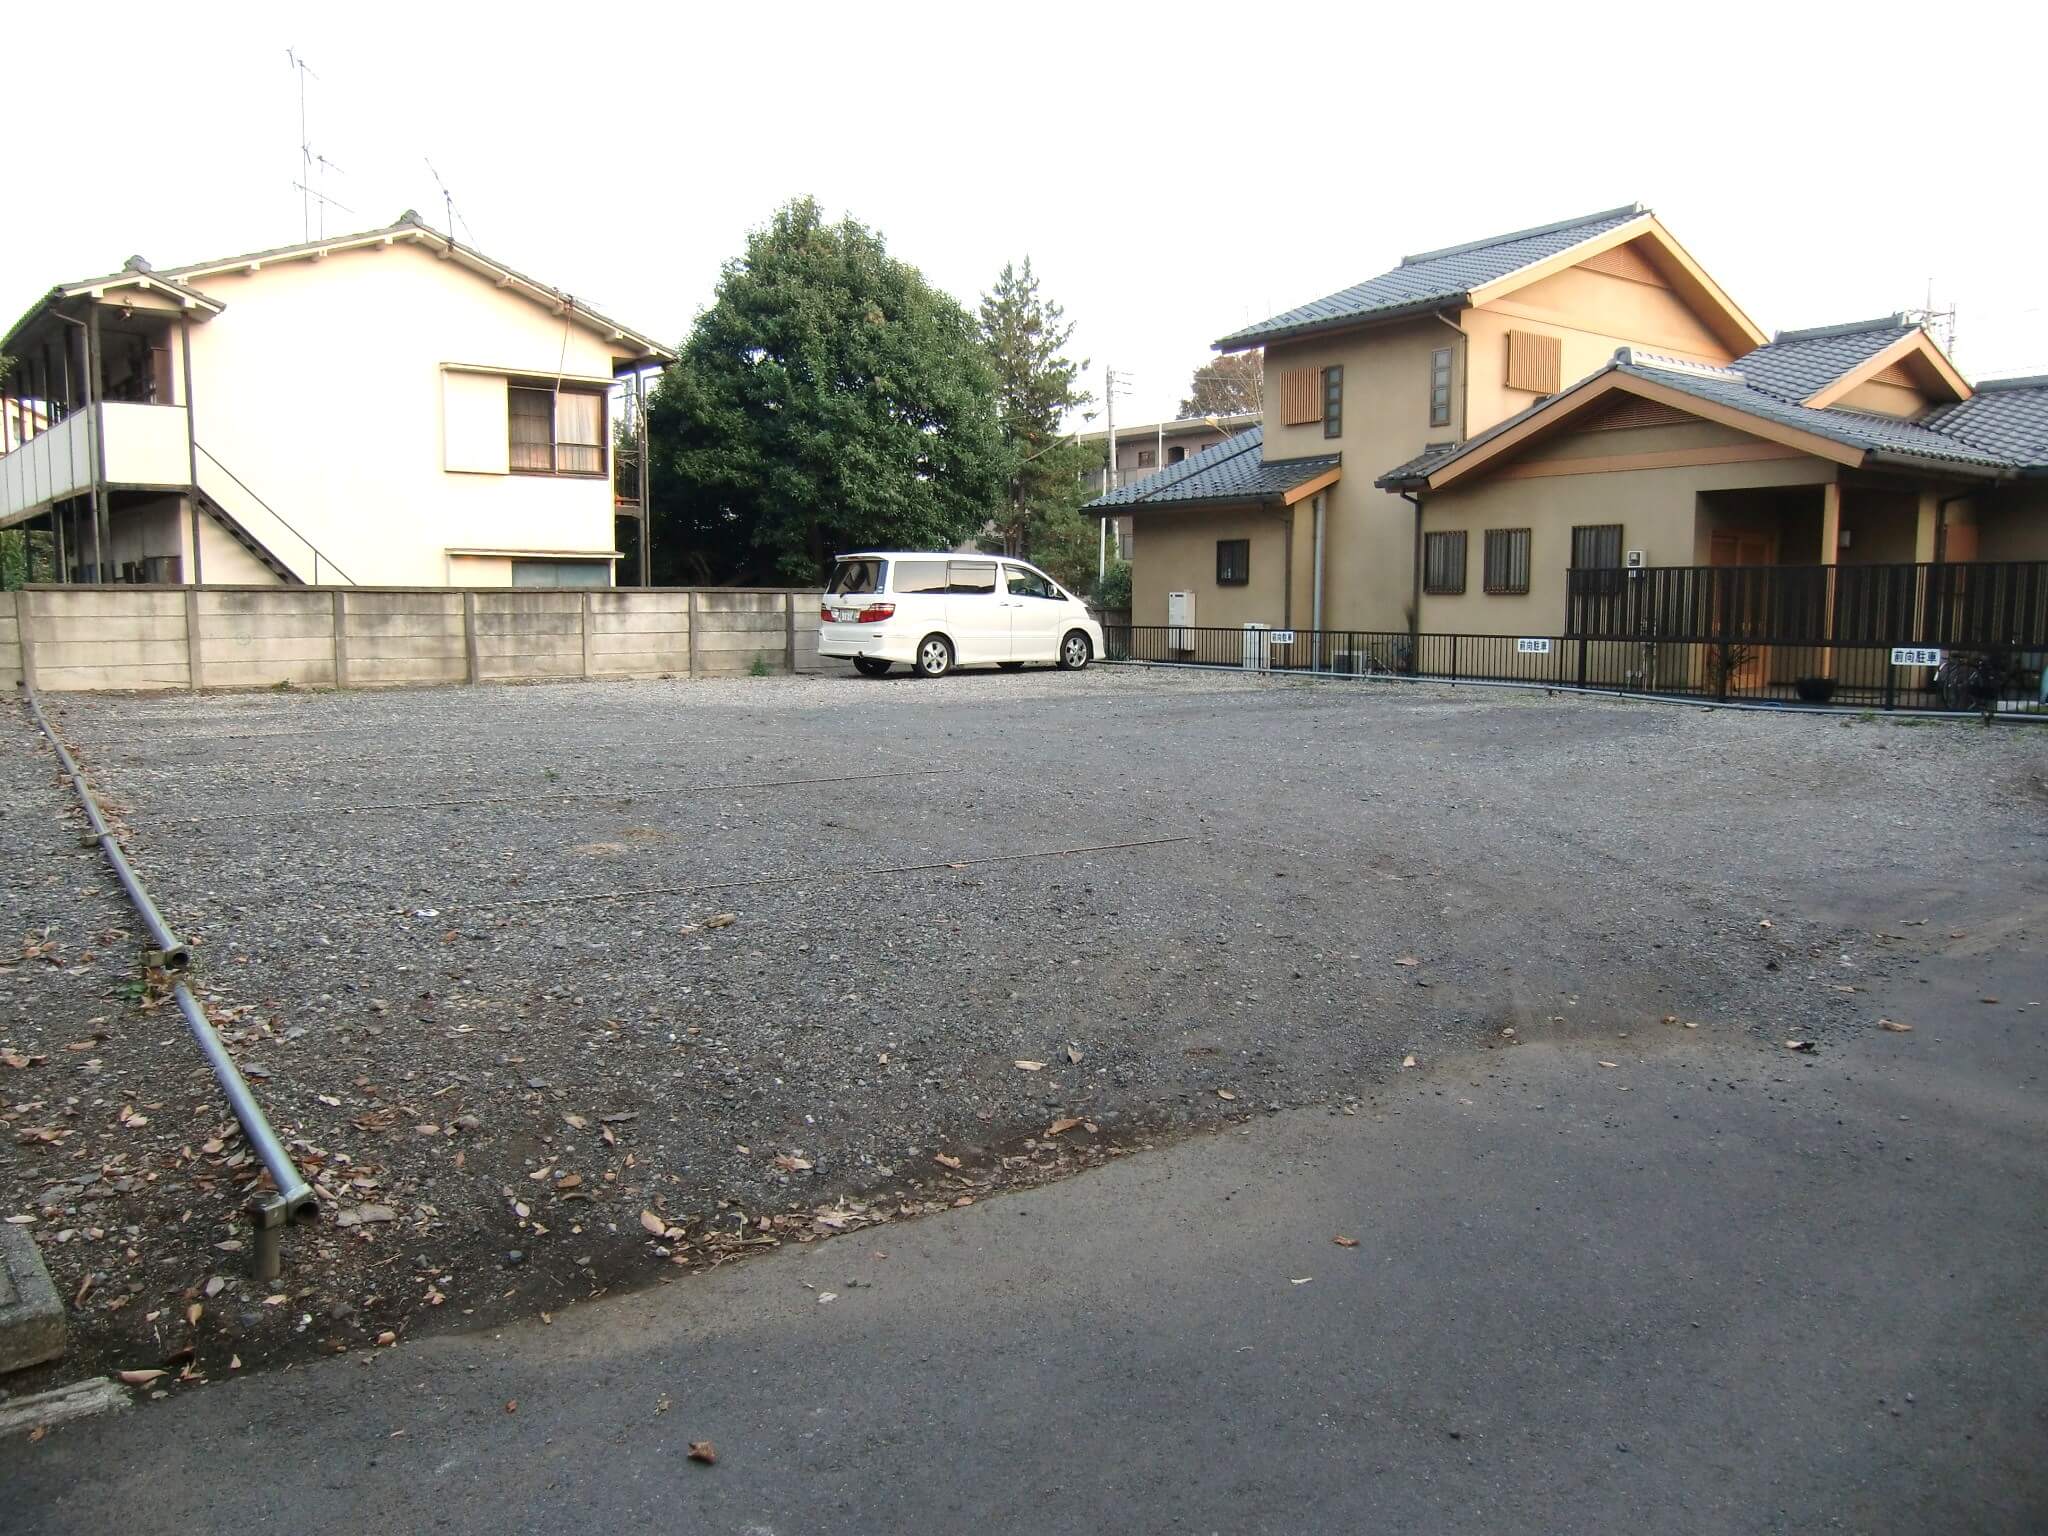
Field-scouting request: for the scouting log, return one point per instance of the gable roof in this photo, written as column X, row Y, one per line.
column 1797, row 364
column 1482, row 270
column 1433, row 279
column 1232, row 471
column 408, row 227
column 1844, row 436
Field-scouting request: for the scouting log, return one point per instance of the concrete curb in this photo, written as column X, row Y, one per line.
column 59, row 1405
column 31, row 1317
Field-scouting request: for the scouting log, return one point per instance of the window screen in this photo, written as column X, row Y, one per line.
column 1507, row 560
column 1233, row 562
column 1443, row 562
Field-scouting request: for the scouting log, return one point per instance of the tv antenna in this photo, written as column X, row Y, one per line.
column 448, row 204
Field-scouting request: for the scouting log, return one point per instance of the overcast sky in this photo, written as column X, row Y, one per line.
column 1173, row 171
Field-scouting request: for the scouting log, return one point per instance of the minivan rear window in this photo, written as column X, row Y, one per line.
column 851, row 578
column 972, row 578
column 926, row 576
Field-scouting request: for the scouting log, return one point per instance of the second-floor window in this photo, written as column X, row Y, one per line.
column 1440, row 387
column 1145, row 458
column 1333, row 402
column 556, row 432
column 1175, row 454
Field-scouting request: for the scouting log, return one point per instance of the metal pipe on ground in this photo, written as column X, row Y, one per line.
column 293, row 1199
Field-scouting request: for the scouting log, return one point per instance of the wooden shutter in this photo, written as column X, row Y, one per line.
column 1301, row 396
column 1535, row 362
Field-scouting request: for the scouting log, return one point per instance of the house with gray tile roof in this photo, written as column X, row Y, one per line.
column 1288, row 527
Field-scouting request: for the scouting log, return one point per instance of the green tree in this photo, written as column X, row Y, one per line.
column 1228, row 386
column 830, row 398
column 1037, row 387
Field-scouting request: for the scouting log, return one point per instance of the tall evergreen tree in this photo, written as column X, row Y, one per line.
column 1037, row 387
column 830, row 398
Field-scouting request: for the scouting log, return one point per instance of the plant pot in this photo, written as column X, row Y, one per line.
column 1815, row 690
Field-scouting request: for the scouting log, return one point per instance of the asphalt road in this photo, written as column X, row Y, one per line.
column 1716, row 1286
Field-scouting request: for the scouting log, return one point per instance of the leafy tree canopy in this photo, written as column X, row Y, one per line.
column 830, row 398
column 1228, row 386
column 1037, row 386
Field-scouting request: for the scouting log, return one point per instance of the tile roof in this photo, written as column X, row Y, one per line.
column 1797, row 364
column 1434, row 278
column 2004, row 416
column 1882, row 435
column 2003, row 426
column 1234, row 470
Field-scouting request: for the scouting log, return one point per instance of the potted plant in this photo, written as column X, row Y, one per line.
column 1814, row 690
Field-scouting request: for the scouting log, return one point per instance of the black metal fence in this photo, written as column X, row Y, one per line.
column 1980, row 605
column 1862, row 676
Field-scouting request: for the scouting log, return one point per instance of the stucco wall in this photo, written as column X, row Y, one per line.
column 2013, row 524
column 1176, row 552
column 322, row 387
column 250, row 637
column 1658, row 510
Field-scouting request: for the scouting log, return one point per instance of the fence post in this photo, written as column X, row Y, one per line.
column 1582, row 661
column 193, row 664
column 470, row 654
column 589, row 610
column 788, row 632
column 1454, row 658
column 1891, row 683
column 690, row 606
column 25, row 632
column 340, row 638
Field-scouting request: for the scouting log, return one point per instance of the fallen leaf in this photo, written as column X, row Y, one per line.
column 1064, row 1124
column 1408, row 960
column 1690, row 1024
column 1225, row 1093
column 654, row 1224
column 825, row 1296
column 387, row 1338
column 1074, row 1054
column 1304, row 1280
column 791, row 1162
column 1029, row 1066
column 1610, row 1063
column 704, row 1451
column 569, row 1181
column 662, row 1404
column 946, row 1161
column 193, row 1314
column 142, row 1378
column 722, row 920
column 1407, row 1061
column 1345, row 1242
column 1766, row 923
column 1801, row 1045
column 234, row 1362
column 37, row 1433
column 1981, row 1000
column 576, row 1120
column 512, row 1405
column 1895, row 1026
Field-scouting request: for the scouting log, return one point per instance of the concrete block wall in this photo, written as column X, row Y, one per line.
column 120, row 637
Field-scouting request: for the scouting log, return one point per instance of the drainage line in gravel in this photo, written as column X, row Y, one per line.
column 293, row 1200
column 639, row 892
column 1839, row 710
column 620, row 795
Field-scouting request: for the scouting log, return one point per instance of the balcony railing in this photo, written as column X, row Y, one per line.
column 144, row 445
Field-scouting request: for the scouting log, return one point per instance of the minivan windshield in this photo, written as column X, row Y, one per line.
column 852, row 578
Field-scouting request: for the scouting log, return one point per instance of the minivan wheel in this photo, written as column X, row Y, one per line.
column 1074, row 651
column 934, row 656
column 870, row 666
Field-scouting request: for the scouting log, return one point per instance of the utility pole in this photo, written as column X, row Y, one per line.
column 1108, row 474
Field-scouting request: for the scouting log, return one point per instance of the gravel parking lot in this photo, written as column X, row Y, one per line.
column 557, row 989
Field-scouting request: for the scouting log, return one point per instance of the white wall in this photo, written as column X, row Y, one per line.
column 322, row 383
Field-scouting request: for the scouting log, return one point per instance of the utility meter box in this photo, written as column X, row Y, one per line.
column 1180, row 619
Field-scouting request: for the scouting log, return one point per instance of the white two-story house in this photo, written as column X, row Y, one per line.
column 390, row 408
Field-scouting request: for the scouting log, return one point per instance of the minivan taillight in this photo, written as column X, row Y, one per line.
column 874, row 613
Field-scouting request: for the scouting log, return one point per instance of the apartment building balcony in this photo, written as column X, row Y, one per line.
column 145, row 447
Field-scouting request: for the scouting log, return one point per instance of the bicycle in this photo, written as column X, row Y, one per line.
column 1973, row 680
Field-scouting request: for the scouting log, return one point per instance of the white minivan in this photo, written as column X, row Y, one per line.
column 933, row 612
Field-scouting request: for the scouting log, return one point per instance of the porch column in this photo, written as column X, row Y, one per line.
column 1830, row 553
column 95, row 388
column 1927, row 530
column 196, row 573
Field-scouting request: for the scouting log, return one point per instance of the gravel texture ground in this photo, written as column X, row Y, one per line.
column 552, row 988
